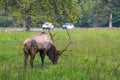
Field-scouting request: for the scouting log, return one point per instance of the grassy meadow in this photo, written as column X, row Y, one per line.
column 93, row 55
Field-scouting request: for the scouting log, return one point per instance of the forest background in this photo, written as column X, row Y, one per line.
column 81, row 13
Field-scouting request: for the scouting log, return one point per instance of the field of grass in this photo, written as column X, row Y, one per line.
column 93, row 55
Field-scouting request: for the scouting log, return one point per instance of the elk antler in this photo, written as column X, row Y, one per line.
column 52, row 35
column 70, row 41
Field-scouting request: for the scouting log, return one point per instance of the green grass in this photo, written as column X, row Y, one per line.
column 93, row 55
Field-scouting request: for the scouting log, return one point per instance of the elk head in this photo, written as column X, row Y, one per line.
column 54, row 55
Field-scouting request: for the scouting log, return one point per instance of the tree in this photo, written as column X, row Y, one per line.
column 24, row 7
column 87, row 7
column 98, row 12
column 60, row 11
column 116, row 19
column 39, row 11
column 111, row 7
column 5, row 14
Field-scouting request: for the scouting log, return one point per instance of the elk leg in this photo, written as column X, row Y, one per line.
column 33, row 51
column 25, row 60
column 31, row 61
column 42, row 55
column 42, row 58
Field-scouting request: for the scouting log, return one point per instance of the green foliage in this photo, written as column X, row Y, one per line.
column 97, row 12
column 84, row 13
column 109, row 7
column 116, row 19
column 57, row 12
column 93, row 55
column 87, row 7
column 5, row 21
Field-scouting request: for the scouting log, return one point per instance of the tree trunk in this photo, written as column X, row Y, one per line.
column 24, row 22
column 28, row 24
column 110, row 19
column 110, row 8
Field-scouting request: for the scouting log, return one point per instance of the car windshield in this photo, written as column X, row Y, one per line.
column 48, row 23
column 67, row 23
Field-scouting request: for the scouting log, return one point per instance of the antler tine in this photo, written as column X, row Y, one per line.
column 70, row 41
column 52, row 35
column 55, row 34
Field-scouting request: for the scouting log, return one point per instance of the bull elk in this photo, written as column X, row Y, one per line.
column 43, row 44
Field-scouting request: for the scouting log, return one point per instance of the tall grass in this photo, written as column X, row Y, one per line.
column 93, row 55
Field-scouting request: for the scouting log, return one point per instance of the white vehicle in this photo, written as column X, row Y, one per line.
column 68, row 26
column 47, row 25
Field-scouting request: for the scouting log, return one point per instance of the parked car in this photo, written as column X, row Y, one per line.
column 68, row 26
column 47, row 25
